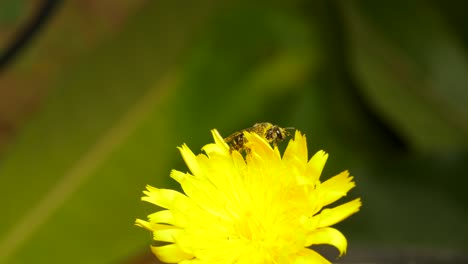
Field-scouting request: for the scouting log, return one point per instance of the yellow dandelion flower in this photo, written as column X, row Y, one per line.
column 257, row 208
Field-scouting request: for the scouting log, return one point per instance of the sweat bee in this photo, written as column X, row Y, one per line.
column 272, row 133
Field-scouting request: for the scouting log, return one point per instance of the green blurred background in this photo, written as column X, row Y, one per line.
column 92, row 109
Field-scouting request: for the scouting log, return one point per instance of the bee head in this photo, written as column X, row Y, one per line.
column 276, row 133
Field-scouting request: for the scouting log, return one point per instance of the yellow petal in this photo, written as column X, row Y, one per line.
column 220, row 147
column 167, row 198
column 151, row 226
column 258, row 145
column 238, row 162
column 193, row 187
column 295, row 159
column 309, row 256
column 212, row 149
column 191, row 160
column 331, row 216
column 146, row 225
column 219, row 140
column 203, row 193
column 167, row 235
column 162, row 217
column 296, row 149
column 262, row 158
column 335, row 188
column 316, row 164
column 329, row 236
column 170, row 253
column 192, row 261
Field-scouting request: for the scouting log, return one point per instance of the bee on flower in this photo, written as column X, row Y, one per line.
column 261, row 207
column 271, row 133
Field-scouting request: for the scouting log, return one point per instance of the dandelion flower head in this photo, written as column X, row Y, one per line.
column 261, row 207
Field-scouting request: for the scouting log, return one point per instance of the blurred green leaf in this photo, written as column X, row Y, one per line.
column 412, row 70
column 455, row 15
column 329, row 108
column 11, row 11
column 415, row 202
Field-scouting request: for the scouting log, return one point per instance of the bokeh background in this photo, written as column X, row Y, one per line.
column 94, row 103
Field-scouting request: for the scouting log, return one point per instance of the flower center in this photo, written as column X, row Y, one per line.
column 251, row 228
